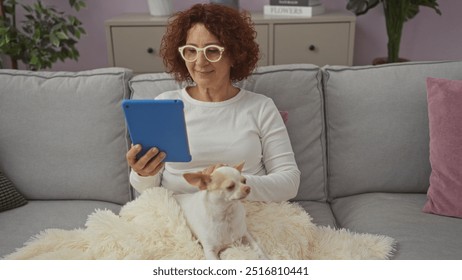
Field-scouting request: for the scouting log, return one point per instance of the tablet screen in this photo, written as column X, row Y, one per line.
column 158, row 123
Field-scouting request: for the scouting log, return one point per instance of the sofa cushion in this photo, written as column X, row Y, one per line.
column 9, row 197
column 320, row 212
column 445, row 118
column 148, row 86
column 63, row 134
column 295, row 89
column 418, row 235
column 377, row 126
column 19, row 225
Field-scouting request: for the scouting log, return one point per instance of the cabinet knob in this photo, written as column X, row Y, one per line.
column 312, row 47
column 150, row 50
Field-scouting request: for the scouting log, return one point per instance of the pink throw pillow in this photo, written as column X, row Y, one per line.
column 284, row 115
column 444, row 196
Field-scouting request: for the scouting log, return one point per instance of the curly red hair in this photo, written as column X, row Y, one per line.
column 235, row 31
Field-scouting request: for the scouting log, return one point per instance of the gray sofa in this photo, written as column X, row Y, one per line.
column 360, row 136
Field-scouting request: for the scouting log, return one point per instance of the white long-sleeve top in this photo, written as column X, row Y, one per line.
column 247, row 127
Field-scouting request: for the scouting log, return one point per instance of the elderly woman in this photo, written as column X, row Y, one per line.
column 211, row 46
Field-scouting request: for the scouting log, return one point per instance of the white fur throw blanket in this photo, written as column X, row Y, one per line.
column 153, row 227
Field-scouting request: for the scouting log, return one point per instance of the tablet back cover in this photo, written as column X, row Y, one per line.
column 158, row 123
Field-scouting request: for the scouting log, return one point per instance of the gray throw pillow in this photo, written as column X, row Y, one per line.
column 9, row 197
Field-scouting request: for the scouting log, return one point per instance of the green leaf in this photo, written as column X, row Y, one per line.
column 54, row 40
column 34, row 60
column 37, row 34
column 57, row 27
column 360, row 7
column 72, row 20
column 77, row 5
column 81, row 4
column 412, row 11
column 27, row 8
column 61, row 35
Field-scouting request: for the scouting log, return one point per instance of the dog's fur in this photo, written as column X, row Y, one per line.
column 215, row 214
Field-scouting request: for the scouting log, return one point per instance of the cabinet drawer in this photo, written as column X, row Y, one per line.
column 263, row 42
column 316, row 43
column 138, row 47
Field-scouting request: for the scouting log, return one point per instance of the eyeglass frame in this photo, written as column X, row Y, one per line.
column 198, row 50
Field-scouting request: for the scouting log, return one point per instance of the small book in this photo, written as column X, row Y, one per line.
column 295, row 2
column 298, row 11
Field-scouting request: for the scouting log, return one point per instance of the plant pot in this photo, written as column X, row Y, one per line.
column 160, row 7
column 230, row 3
column 384, row 60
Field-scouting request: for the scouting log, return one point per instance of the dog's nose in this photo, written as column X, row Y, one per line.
column 246, row 189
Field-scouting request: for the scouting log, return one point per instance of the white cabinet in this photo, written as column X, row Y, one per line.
column 263, row 42
column 133, row 40
column 137, row 48
column 317, row 43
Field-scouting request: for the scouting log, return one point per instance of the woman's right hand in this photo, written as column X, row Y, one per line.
column 147, row 165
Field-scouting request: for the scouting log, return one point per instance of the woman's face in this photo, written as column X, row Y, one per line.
column 207, row 74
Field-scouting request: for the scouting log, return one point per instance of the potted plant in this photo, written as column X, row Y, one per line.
column 396, row 13
column 42, row 37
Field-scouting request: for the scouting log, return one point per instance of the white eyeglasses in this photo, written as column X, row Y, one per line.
column 190, row 53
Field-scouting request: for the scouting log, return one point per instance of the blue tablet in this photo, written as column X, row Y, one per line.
column 158, row 123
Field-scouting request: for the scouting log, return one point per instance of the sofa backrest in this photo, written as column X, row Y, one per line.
column 294, row 88
column 377, row 126
column 63, row 135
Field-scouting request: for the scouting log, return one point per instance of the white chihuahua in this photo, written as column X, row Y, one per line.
column 215, row 214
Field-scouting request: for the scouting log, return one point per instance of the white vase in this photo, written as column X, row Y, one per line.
column 160, row 7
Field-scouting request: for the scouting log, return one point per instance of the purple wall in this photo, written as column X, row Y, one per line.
column 426, row 37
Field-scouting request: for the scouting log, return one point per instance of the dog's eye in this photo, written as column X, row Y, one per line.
column 230, row 187
column 243, row 180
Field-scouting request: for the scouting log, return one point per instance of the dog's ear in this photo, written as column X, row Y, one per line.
column 199, row 180
column 240, row 166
